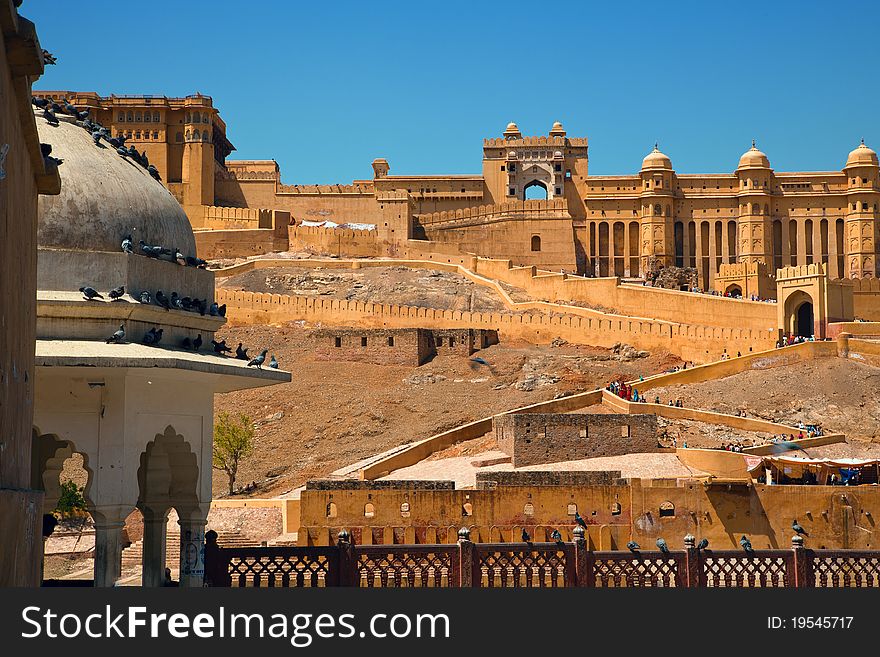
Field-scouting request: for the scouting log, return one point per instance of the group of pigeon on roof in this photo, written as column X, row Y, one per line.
column 99, row 133
column 175, row 302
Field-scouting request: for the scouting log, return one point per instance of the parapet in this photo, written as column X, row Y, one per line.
column 491, row 480
column 385, row 484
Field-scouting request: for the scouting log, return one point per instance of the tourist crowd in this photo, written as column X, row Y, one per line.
column 788, row 340
column 716, row 293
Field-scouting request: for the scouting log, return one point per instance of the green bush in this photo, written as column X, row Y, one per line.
column 72, row 502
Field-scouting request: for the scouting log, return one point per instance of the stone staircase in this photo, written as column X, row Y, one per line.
column 133, row 554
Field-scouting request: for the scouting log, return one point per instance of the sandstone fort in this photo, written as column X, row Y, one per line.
column 529, row 376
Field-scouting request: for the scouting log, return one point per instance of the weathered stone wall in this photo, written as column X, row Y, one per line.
column 407, row 347
column 535, row 438
column 22, row 177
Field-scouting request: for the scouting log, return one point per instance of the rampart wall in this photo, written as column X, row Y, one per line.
column 578, row 325
column 866, row 298
column 643, row 510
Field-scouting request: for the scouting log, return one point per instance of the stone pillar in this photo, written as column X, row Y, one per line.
column 192, row 546
column 801, row 242
column 109, row 522
column 786, row 243
column 843, row 344
column 155, row 529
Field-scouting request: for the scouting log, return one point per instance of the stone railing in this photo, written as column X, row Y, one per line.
column 535, row 209
column 545, row 564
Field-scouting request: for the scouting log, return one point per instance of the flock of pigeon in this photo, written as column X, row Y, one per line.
column 154, row 336
column 99, row 133
column 661, row 543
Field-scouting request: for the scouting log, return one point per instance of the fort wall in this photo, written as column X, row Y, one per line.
column 581, row 326
column 642, row 510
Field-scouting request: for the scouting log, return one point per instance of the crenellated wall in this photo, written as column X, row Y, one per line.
column 578, row 325
column 866, row 298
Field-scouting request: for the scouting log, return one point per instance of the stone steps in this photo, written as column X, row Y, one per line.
column 133, row 554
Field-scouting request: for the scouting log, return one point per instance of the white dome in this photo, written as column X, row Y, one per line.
column 104, row 197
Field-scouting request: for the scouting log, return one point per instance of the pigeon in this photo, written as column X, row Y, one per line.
column 96, row 137
column 186, row 303
column 45, row 149
column 479, row 361
column 167, row 254
column 152, row 336
column 632, row 546
column 122, row 151
column 39, row 102
column 796, row 526
column 162, row 300
column 186, row 343
column 273, row 363
column 197, row 343
column 90, row 293
column 55, row 107
column 703, row 544
column 525, row 536
column 154, row 172
column 70, row 109
column 82, row 116
column 49, row 58
column 145, row 297
column 149, row 250
column 220, row 347
column 117, row 337
column 192, row 261
column 126, row 244
column 214, row 310
column 175, row 301
column 222, row 310
column 556, row 536
column 240, row 353
column 664, row 548
column 579, row 520
column 746, row 544
column 203, row 306
column 49, row 115
column 116, row 293
column 258, row 360
column 179, row 256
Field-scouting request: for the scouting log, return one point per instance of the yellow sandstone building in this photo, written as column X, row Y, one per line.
column 597, row 225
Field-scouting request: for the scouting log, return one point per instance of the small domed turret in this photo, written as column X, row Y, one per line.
column 862, row 156
column 754, row 159
column 512, row 131
column 656, row 160
column 557, row 130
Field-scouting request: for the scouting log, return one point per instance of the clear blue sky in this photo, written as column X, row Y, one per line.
column 325, row 87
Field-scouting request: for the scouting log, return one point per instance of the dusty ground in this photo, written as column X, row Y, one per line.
column 335, row 413
column 401, row 285
column 839, row 394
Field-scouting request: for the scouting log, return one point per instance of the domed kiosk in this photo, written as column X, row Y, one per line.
column 141, row 415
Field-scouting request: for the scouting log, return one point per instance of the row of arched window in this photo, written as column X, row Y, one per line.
column 198, row 117
column 196, row 135
column 140, row 135
column 667, row 509
column 138, row 117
